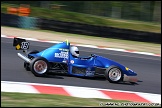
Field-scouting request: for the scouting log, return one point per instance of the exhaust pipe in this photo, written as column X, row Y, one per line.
column 24, row 57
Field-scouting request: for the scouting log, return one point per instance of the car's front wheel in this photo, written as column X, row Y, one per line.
column 39, row 66
column 114, row 74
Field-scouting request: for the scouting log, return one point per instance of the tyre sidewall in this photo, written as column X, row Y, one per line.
column 26, row 66
column 107, row 74
column 32, row 66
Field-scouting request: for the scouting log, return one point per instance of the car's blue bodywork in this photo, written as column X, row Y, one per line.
column 59, row 59
column 60, row 53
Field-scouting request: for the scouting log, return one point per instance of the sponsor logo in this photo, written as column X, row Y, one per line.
column 61, row 55
column 89, row 72
column 62, row 49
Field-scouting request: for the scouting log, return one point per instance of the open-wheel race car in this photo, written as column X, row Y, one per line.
column 64, row 58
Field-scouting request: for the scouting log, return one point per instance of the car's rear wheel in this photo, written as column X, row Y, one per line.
column 39, row 66
column 114, row 74
column 26, row 65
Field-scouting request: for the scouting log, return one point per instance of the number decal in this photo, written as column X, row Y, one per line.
column 25, row 45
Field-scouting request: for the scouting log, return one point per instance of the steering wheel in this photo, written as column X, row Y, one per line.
column 92, row 55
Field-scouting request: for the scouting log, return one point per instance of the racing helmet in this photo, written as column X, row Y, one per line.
column 74, row 51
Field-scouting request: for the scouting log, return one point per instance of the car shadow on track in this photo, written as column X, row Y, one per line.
column 60, row 76
column 52, row 76
column 104, row 79
column 129, row 83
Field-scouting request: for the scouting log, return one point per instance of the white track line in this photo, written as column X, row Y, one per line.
column 90, row 46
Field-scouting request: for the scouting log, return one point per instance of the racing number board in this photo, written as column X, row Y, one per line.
column 20, row 44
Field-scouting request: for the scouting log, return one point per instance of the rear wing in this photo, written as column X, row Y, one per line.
column 20, row 44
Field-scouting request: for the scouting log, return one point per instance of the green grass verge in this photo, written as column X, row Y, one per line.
column 10, row 99
column 47, row 100
column 90, row 19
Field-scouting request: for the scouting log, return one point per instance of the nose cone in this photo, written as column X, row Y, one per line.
column 130, row 78
column 133, row 73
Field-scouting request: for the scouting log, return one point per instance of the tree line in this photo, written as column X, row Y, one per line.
column 149, row 11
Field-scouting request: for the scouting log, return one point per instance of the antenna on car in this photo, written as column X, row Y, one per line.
column 67, row 42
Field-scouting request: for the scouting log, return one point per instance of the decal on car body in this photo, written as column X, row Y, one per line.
column 61, row 55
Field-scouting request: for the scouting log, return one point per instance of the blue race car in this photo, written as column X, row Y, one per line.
column 64, row 58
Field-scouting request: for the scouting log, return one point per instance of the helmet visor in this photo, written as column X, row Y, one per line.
column 77, row 52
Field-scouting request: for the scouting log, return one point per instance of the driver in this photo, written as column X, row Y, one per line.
column 74, row 51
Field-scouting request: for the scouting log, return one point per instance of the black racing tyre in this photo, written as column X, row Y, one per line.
column 39, row 66
column 114, row 74
column 26, row 66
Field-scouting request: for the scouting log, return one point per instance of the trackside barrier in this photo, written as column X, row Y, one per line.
column 27, row 22
column 78, row 28
column 100, row 31
column 9, row 20
column 18, row 21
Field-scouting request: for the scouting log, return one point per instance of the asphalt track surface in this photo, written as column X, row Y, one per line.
column 147, row 67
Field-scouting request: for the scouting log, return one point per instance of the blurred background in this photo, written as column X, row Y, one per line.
column 133, row 10
column 97, row 18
